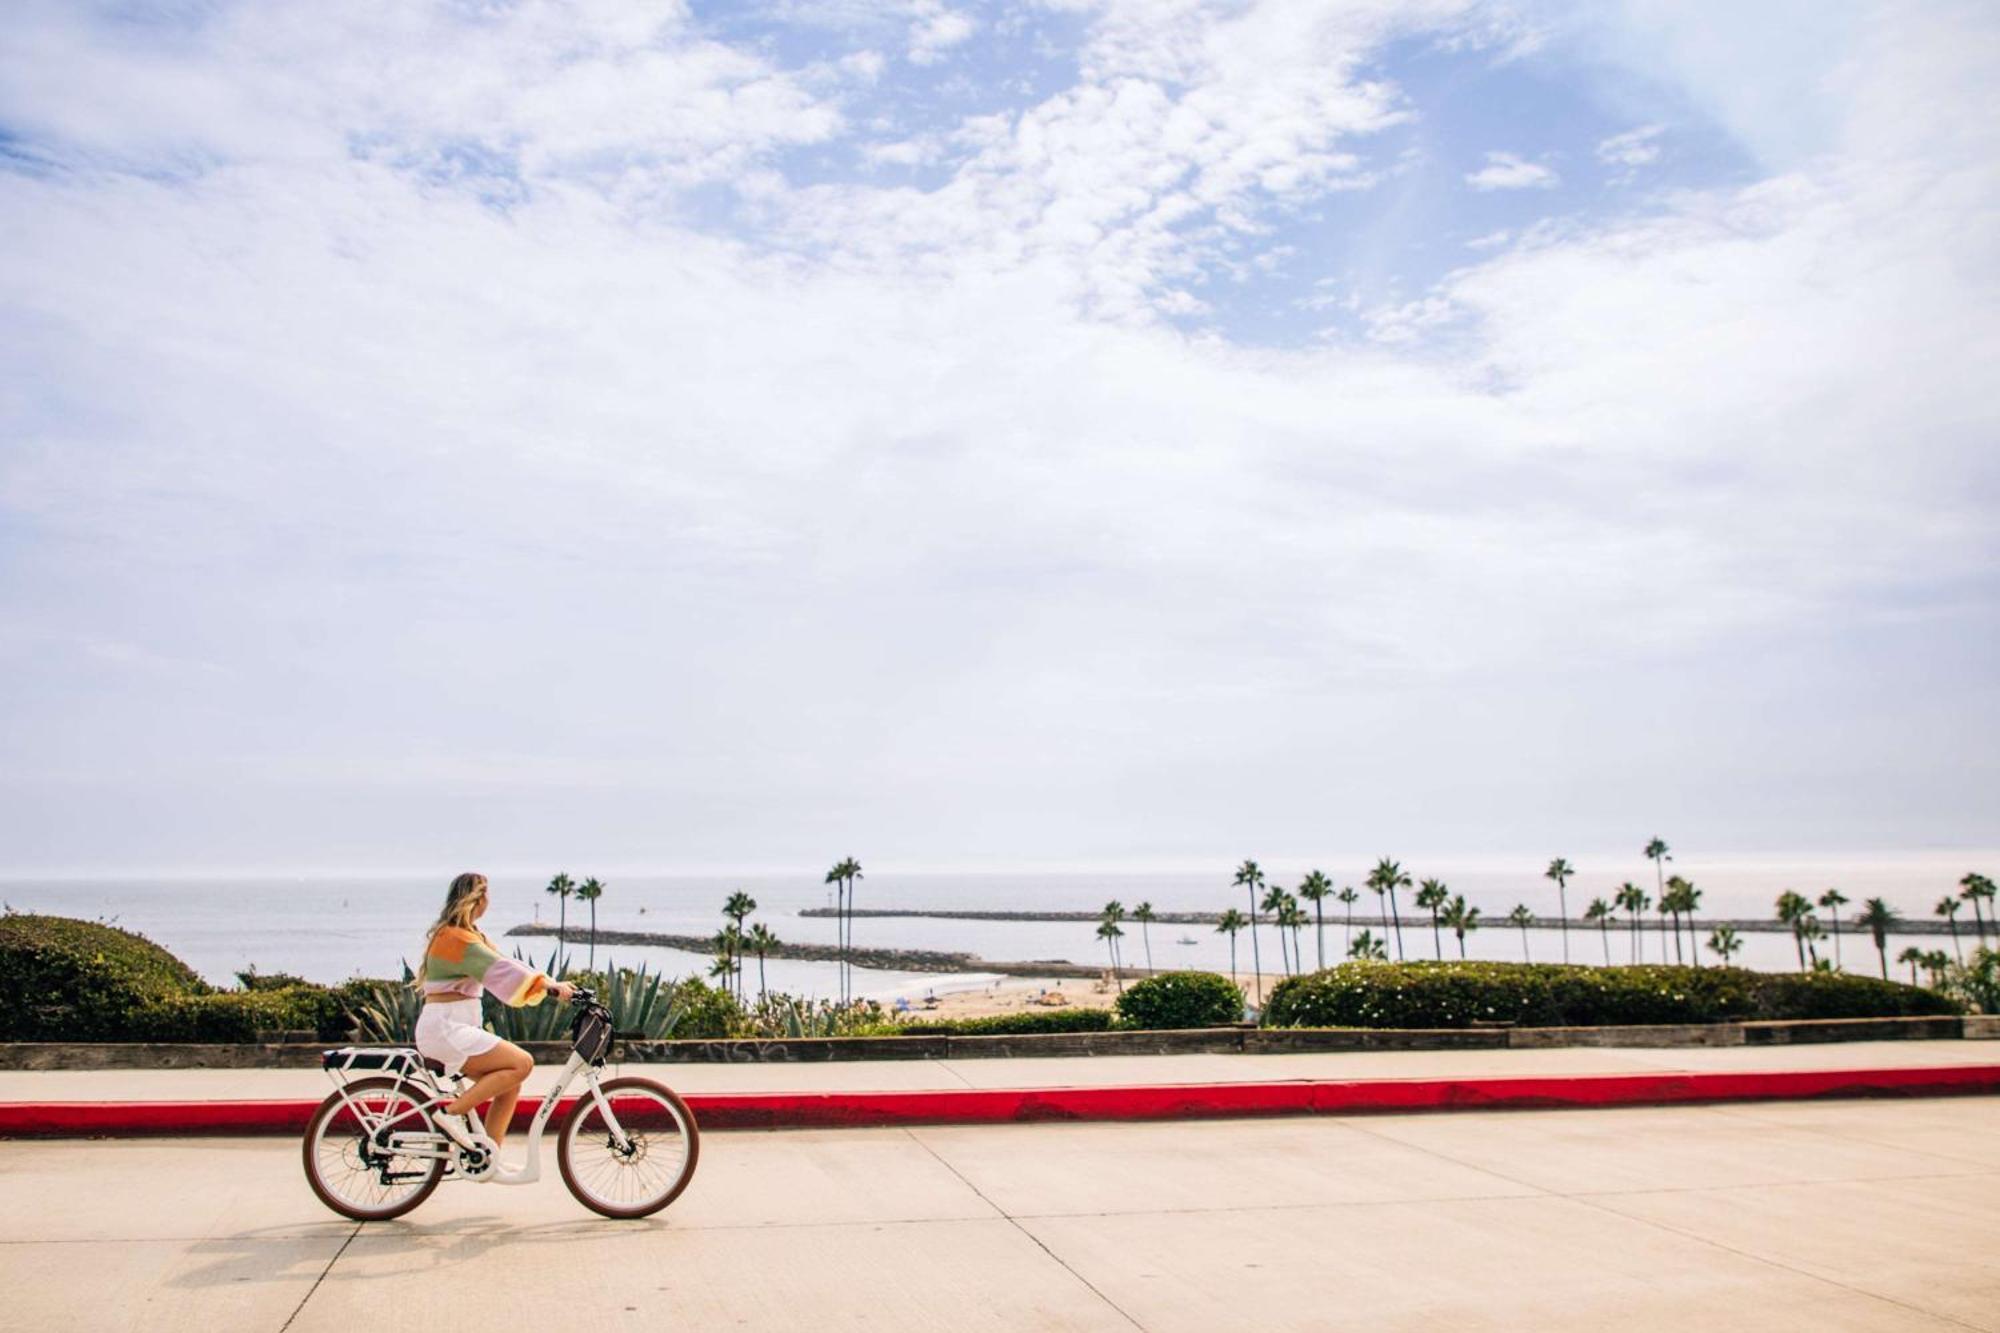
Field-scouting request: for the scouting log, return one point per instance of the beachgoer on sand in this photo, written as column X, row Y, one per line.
column 459, row 963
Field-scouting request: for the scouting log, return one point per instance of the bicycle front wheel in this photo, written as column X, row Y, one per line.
column 349, row 1162
column 653, row 1166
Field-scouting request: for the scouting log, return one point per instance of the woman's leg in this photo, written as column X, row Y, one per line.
column 497, row 1076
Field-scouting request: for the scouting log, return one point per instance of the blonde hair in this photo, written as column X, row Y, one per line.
column 465, row 893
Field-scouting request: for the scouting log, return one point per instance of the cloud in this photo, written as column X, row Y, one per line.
column 1633, row 148
column 906, row 511
column 1505, row 171
column 935, row 31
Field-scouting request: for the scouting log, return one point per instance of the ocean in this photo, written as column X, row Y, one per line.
column 328, row 927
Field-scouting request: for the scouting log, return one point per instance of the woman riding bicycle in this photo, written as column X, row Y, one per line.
column 459, row 963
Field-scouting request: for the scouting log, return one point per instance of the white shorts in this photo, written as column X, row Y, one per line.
column 450, row 1033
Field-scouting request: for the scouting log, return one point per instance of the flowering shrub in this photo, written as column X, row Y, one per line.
column 1459, row 995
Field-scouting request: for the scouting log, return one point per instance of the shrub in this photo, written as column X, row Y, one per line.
column 998, row 1025
column 1181, row 1000
column 231, row 1016
column 1975, row 983
column 1457, row 995
column 67, row 980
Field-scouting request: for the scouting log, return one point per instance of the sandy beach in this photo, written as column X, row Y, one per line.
column 1014, row 995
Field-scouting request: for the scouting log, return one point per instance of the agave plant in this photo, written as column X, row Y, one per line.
column 386, row 1011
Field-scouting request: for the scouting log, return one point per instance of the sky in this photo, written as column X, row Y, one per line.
column 1074, row 433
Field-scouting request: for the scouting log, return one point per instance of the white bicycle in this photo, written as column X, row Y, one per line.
column 627, row 1148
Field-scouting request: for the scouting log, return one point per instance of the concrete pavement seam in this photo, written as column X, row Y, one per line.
column 1589, row 1201
column 1035, row 1240
column 297, row 1309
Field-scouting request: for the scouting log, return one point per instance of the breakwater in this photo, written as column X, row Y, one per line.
column 887, row 960
column 1619, row 925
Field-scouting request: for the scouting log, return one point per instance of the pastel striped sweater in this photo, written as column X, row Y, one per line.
column 464, row 962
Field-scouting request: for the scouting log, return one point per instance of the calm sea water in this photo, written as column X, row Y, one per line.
column 330, row 927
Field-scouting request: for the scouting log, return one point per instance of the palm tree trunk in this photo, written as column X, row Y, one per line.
column 1883, row 949
column 1605, row 930
column 763, row 991
column 1526, row 957
column 1396, row 919
column 1256, row 955
column 592, row 964
column 1232, row 956
column 1839, row 963
column 1678, row 956
column 1562, row 905
column 1319, row 919
column 1952, row 921
column 1349, row 945
column 1146, row 934
column 1635, row 937
column 1437, row 939
column 1461, row 945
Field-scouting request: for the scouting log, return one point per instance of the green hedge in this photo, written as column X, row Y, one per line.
column 1181, row 1000
column 66, row 980
column 998, row 1025
column 1458, row 995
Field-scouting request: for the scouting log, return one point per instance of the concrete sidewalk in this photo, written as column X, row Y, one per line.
column 1839, row 1215
column 113, row 1085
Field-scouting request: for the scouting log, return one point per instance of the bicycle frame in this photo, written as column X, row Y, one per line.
column 408, row 1068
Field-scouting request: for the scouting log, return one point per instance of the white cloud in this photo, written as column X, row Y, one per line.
column 935, row 31
column 1505, row 171
column 920, row 526
column 1633, row 148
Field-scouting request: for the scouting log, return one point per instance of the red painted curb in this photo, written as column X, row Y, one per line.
column 973, row 1106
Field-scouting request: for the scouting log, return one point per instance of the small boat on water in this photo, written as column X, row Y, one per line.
column 1187, row 939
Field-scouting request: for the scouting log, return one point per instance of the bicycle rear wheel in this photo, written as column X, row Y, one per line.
column 662, row 1146
column 347, row 1157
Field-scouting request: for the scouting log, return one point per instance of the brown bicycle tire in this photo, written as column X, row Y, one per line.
column 332, row 1104
column 583, row 1108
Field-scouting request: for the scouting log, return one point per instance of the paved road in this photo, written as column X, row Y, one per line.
column 1854, row 1215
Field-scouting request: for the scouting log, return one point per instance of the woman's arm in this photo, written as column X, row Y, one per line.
column 510, row 981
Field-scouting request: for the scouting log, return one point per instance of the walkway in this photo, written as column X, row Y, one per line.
column 1846, row 1215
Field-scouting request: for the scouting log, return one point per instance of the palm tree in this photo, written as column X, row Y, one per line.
column 1274, row 906
column 1433, row 895
column 1461, row 919
column 1293, row 918
column 1690, row 903
column 1813, row 932
column 1936, row 961
column 836, row 875
column 1833, row 900
column 1387, row 877
column 1913, row 956
column 1600, row 912
column 763, row 941
column 1880, row 919
column 1107, row 930
column 1671, row 902
column 1656, row 852
column 1560, row 870
column 1367, row 946
column 1793, row 909
column 1252, row 879
column 1143, row 914
column 728, row 944
column 1114, row 912
column 1523, row 918
column 1314, row 888
column 1634, row 900
column 1977, row 889
column 738, row 906
column 589, row 892
column 1348, row 897
column 1725, row 943
column 1228, row 924
column 561, row 886
column 1947, row 907
column 842, row 876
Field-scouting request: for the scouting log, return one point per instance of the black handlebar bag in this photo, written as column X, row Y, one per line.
column 593, row 1036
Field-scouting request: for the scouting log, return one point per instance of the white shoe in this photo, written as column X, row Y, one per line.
column 466, row 1135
